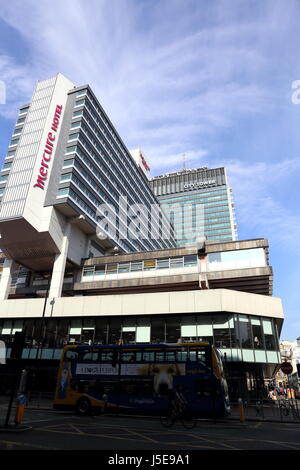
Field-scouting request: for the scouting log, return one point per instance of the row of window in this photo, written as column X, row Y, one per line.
column 189, row 208
column 225, row 331
column 126, row 158
column 195, row 200
column 107, row 356
column 125, row 244
column 184, row 226
column 187, row 197
column 145, row 265
column 110, row 177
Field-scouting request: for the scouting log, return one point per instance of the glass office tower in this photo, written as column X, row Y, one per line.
column 198, row 203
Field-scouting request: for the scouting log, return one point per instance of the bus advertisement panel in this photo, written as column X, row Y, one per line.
column 141, row 377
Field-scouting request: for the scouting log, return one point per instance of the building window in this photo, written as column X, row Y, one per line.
column 269, row 335
column 149, row 264
column 88, row 271
column 100, row 269
column 68, row 163
column 257, row 333
column 176, row 263
column 136, row 266
column 112, row 268
column 204, row 328
column 190, row 260
column 63, row 192
column 245, row 332
column 66, row 177
column 124, row 268
column 163, row 263
column 79, row 102
column 221, row 331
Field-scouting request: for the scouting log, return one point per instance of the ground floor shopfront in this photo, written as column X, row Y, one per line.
column 244, row 327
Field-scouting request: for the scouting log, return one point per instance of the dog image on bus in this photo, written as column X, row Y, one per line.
column 163, row 375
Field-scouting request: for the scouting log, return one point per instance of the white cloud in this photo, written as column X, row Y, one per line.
column 259, row 210
column 169, row 79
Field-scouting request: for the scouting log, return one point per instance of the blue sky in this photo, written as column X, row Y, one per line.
column 211, row 79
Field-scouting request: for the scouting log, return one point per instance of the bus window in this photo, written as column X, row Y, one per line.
column 106, row 356
column 202, row 357
column 198, row 355
column 193, row 356
column 182, row 356
column 171, row 356
column 159, row 356
column 128, row 357
column 148, row 356
column 138, row 356
column 89, row 356
column 71, row 355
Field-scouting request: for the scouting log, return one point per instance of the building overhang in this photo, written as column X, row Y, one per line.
column 158, row 303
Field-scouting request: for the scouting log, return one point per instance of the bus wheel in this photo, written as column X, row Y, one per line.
column 83, row 406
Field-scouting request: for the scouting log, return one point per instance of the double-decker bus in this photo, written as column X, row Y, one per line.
column 139, row 378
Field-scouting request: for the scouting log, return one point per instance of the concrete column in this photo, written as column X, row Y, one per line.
column 59, row 266
column 6, row 276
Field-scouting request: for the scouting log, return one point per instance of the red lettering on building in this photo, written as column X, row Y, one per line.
column 48, row 149
column 146, row 166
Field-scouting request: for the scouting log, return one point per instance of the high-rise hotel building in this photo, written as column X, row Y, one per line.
column 66, row 170
column 202, row 193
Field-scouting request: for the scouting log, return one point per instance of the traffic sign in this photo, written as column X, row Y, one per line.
column 286, row 368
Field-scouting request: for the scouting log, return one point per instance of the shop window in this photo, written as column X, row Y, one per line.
column 205, row 329
column 257, row 333
column 173, row 329
column 221, row 331
column 268, row 335
column 245, row 332
column 234, row 332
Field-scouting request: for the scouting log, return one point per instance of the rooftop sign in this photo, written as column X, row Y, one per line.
column 198, row 184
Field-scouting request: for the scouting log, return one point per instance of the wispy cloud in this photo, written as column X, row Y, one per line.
column 259, row 210
column 173, row 79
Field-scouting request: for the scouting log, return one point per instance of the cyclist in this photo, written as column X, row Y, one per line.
column 177, row 400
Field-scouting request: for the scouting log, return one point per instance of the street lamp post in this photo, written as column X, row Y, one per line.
column 43, row 315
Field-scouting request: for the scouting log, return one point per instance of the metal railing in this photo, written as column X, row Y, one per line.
column 40, row 400
column 285, row 410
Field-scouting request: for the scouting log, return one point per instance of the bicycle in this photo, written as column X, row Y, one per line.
column 172, row 415
column 286, row 406
column 283, row 407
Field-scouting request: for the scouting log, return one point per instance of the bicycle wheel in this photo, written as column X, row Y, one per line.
column 167, row 420
column 188, row 420
column 284, row 410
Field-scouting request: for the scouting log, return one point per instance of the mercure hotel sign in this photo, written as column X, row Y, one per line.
column 48, row 149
